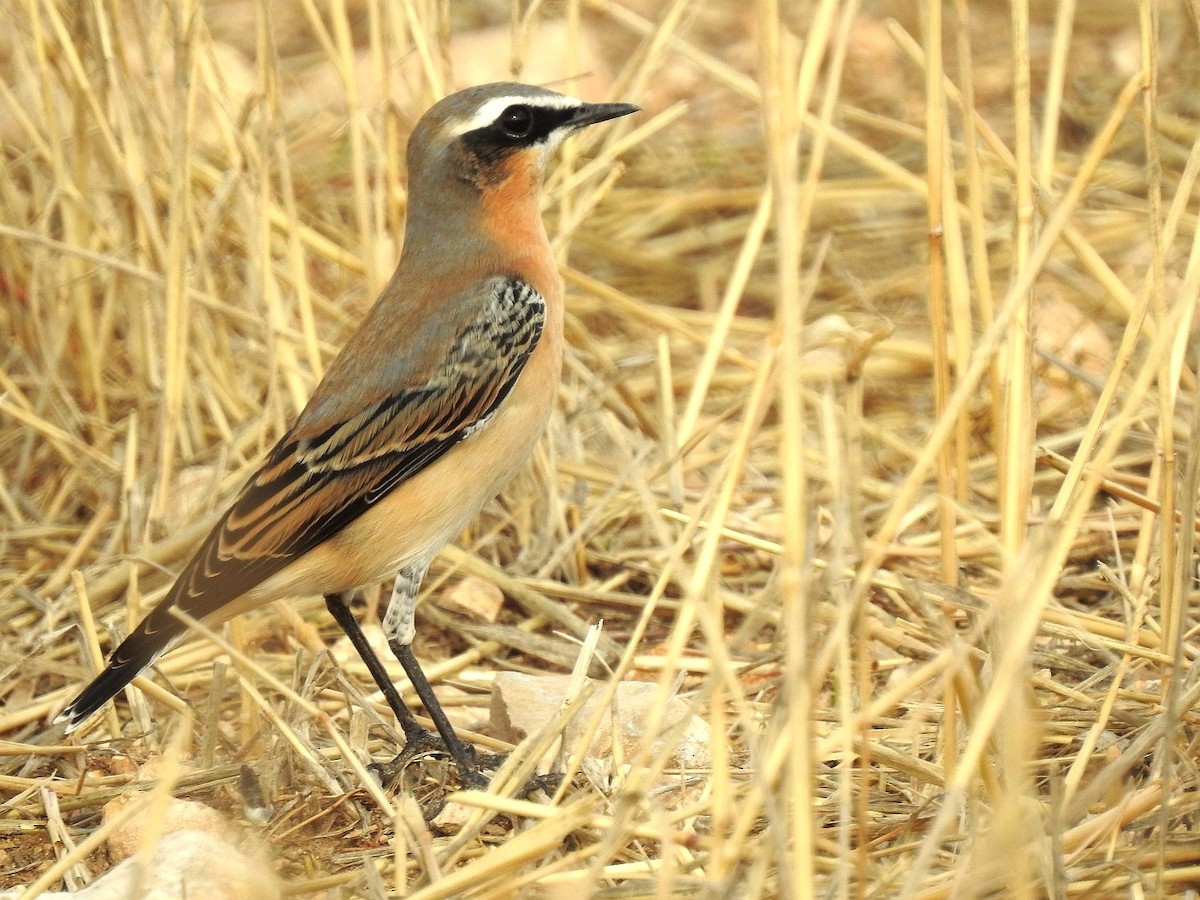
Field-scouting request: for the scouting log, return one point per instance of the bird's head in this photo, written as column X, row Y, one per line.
column 484, row 136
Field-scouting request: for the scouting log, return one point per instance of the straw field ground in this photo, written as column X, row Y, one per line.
column 874, row 445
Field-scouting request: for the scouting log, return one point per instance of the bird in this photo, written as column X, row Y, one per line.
column 433, row 404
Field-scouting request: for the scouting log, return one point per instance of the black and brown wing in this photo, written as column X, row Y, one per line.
column 361, row 435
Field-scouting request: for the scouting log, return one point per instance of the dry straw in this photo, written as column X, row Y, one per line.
column 875, row 442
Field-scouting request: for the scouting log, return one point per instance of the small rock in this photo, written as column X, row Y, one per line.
column 185, row 864
column 523, row 704
column 180, row 815
column 451, row 818
column 474, row 597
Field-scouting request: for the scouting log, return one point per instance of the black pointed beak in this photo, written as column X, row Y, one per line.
column 591, row 113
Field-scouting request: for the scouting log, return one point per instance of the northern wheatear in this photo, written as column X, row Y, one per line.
column 433, row 404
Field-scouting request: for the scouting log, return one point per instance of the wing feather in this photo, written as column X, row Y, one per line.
column 310, row 488
column 317, row 481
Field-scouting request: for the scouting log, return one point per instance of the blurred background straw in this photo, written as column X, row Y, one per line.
column 875, row 445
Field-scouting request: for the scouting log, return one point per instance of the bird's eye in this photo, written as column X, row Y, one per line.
column 517, row 121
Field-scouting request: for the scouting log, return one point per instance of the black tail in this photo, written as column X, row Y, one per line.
column 147, row 642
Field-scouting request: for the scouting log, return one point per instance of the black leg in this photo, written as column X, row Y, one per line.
column 463, row 754
column 417, row 740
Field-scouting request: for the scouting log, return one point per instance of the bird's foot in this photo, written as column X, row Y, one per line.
column 475, row 770
column 427, row 743
column 547, row 783
column 491, row 762
column 418, row 744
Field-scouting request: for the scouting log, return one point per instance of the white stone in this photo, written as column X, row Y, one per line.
column 524, row 704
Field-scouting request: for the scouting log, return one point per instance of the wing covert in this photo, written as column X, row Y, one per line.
column 319, row 479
